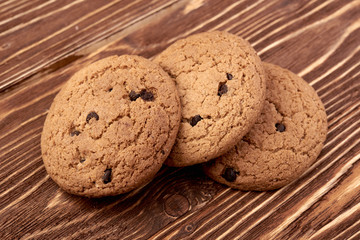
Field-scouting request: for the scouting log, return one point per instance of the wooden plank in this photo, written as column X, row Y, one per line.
column 317, row 39
column 53, row 37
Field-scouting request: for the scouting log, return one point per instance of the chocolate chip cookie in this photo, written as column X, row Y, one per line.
column 111, row 127
column 221, row 84
column 285, row 140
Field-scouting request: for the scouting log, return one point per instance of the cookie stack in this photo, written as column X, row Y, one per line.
column 207, row 99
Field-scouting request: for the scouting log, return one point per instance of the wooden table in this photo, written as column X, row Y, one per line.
column 42, row 43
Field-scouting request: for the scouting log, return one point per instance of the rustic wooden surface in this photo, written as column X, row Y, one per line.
column 42, row 43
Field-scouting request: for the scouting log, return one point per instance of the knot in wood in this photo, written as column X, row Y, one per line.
column 176, row 205
column 189, row 228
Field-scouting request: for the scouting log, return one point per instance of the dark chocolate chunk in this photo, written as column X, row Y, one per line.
column 146, row 96
column 133, row 95
column 110, row 89
column 107, row 176
column 73, row 133
column 82, row 160
column 92, row 115
column 229, row 76
column 280, row 127
column 195, row 119
column 230, row 174
column 222, row 89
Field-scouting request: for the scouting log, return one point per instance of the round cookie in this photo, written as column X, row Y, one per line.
column 111, row 127
column 221, row 84
column 285, row 140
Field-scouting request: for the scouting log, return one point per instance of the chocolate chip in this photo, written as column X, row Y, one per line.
column 229, row 76
column 146, row 96
column 82, row 160
column 230, row 174
column 75, row 133
column 280, row 127
column 133, row 95
column 92, row 115
column 195, row 119
column 222, row 89
column 107, row 176
column 110, row 89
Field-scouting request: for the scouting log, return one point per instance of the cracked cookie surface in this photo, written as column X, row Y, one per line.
column 221, row 84
column 111, row 127
column 285, row 140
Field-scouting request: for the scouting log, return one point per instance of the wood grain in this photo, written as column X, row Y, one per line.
column 42, row 43
column 58, row 28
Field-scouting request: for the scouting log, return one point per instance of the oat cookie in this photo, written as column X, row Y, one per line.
column 285, row 140
column 221, row 84
column 111, row 127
